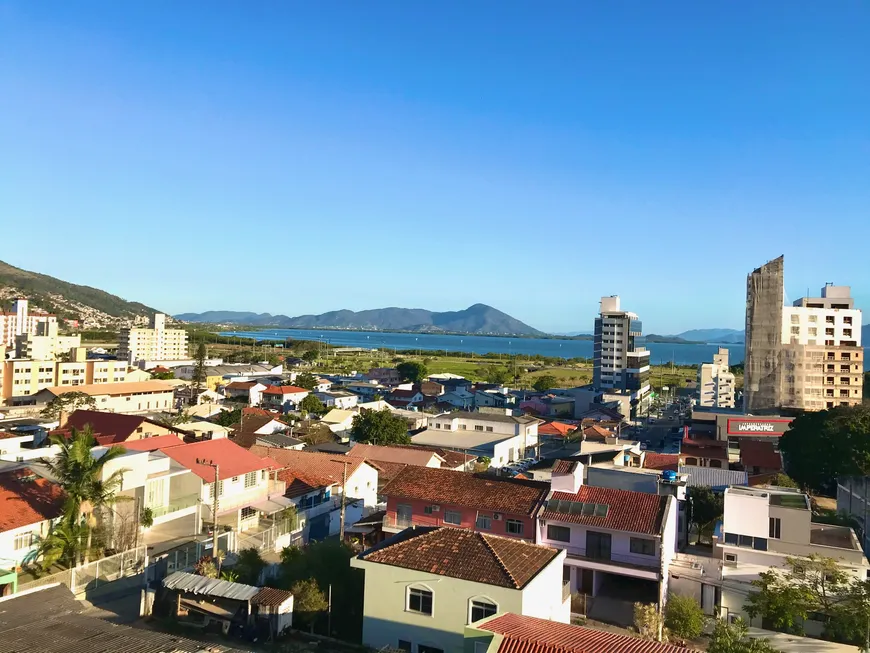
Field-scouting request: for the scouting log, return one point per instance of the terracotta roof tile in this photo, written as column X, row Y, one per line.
column 470, row 490
column 240, row 385
column 558, row 429
column 661, row 461
column 232, row 459
column 151, row 444
column 283, row 390
column 308, row 469
column 26, row 499
column 270, row 596
column 404, row 455
column 532, row 635
column 759, row 454
column 636, row 512
column 465, row 554
column 564, row 467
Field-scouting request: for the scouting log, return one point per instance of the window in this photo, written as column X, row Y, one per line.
column 814, row 318
column 250, row 479
column 23, row 541
column 642, row 546
column 420, row 600
column 428, row 510
column 248, row 512
column 730, row 557
column 478, row 427
column 558, row 533
column 795, row 319
column 795, row 330
column 453, row 517
column 744, row 540
column 235, row 479
column 731, row 538
column 405, row 645
column 422, row 648
column 775, row 528
column 514, row 527
column 489, row 429
column 481, row 609
column 484, row 522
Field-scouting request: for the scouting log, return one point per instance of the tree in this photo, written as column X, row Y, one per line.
column 205, row 566
column 648, row 621
column 310, row 356
column 66, row 403
column 706, row 507
column 305, row 380
column 544, row 382
column 684, row 617
column 379, row 427
column 80, row 474
column 413, row 371
column 249, row 566
column 228, row 417
column 495, row 374
column 308, row 601
column 783, row 480
column 197, row 380
column 174, row 419
column 162, row 376
column 311, row 404
column 821, row 446
column 732, row 638
column 61, row 544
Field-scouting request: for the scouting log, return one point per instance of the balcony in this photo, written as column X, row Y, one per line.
column 623, row 564
column 176, row 505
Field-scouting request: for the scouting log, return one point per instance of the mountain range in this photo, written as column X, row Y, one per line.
column 478, row 319
column 723, row 336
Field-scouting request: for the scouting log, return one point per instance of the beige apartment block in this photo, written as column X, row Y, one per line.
column 46, row 344
column 20, row 321
column 154, row 343
column 716, row 382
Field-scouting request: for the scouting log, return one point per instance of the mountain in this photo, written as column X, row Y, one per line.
column 93, row 308
column 723, row 336
column 479, row 319
column 865, row 335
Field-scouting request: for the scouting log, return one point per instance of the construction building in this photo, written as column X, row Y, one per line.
column 716, row 382
column 152, row 343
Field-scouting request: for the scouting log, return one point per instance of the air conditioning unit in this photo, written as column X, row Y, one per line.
column 436, row 508
column 497, row 516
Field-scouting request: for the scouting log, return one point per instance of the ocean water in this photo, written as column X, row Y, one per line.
column 659, row 352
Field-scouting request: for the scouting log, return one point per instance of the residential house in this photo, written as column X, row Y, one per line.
column 200, row 429
column 114, row 428
column 760, row 457
column 460, row 398
column 250, row 392
column 338, row 399
column 549, row 406
column 615, row 539
column 405, row 455
column 425, row 585
column 283, row 397
column 280, row 441
column 28, row 506
column 415, row 419
column 431, row 388
column 499, row 449
column 217, row 376
column 254, row 424
column 428, row 496
column 404, row 398
column 316, row 484
column 366, row 390
column 142, row 397
column 384, row 375
column 492, row 399
column 451, row 382
column 339, row 421
column 450, row 459
column 553, row 429
column 511, row 633
column 704, row 453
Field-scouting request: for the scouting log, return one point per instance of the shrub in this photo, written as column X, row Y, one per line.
column 684, row 617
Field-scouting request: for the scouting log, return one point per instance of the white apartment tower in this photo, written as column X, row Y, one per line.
column 618, row 364
column 153, row 343
column 716, row 382
column 20, row 321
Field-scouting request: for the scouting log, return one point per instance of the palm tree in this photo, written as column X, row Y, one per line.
column 80, row 474
column 61, row 543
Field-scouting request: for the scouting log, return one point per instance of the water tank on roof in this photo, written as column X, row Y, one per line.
column 669, row 475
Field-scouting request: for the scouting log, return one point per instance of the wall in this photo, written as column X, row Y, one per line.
column 746, row 515
column 669, row 545
column 620, row 543
column 138, row 403
column 7, row 542
column 467, row 520
column 542, row 597
column 363, row 484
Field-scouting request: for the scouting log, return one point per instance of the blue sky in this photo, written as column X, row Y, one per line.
column 297, row 157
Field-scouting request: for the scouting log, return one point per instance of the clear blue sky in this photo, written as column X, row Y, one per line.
column 297, row 157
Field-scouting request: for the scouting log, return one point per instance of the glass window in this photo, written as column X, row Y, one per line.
column 405, row 645
column 759, row 543
column 420, row 600
column 481, row 609
column 428, row 510
column 514, row 527
column 250, row 479
column 23, row 541
column 642, row 546
column 745, row 540
column 730, row 538
column 248, row 512
column 558, row 533
column 775, row 528
column 484, row 522
column 453, row 517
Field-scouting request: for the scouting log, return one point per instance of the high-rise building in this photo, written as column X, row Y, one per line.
column 20, row 321
column 154, row 343
column 716, row 382
column 806, row 356
column 619, row 364
column 46, row 344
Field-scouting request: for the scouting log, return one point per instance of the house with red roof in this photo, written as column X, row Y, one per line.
column 555, row 429
column 249, row 392
column 114, row 428
column 283, row 397
column 28, row 505
column 424, row 585
column 619, row 542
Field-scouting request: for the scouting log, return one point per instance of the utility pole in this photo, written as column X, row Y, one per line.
column 214, row 509
column 343, row 492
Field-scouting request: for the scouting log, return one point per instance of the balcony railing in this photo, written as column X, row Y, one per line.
column 566, row 591
column 392, row 521
column 180, row 503
column 639, row 561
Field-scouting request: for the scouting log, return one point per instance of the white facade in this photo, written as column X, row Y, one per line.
column 21, row 321
column 716, row 382
column 500, row 449
column 525, row 427
column 46, row 344
column 156, row 343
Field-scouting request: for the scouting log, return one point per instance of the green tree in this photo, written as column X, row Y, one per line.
column 206, row 566
column 311, row 404
column 684, row 617
column 732, row 638
column 544, row 382
column 821, row 446
column 197, row 380
column 305, row 380
column 174, row 419
column 310, row 356
column 162, row 376
column 413, row 371
column 228, row 417
column 62, row 543
column 80, row 474
column 496, row 374
column 249, row 566
column 64, row 404
column 379, row 427
column 648, row 621
column 783, row 480
column 706, row 507
column 308, row 601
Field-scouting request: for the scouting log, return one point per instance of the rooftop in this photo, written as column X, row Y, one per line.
column 841, row 537
column 462, row 439
column 115, row 427
column 754, row 453
column 532, row 635
column 283, row 390
column 404, row 455
column 26, row 498
column 445, row 486
column 304, row 471
column 713, row 477
column 661, row 461
column 618, row 510
column 151, row 444
column 558, row 429
column 492, row 417
column 232, row 459
column 114, row 389
column 464, row 554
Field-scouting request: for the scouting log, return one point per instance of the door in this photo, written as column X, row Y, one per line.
column 598, row 545
column 318, row 527
column 404, row 512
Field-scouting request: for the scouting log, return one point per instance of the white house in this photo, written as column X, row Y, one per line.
column 500, row 449
column 503, row 424
column 203, row 430
column 338, row 399
column 339, row 421
column 460, row 398
column 249, row 391
column 137, row 397
column 425, row 585
column 283, row 397
column 28, row 506
column 613, row 538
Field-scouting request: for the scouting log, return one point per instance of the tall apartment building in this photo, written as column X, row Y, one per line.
column 716, row 382
column 805, row 356
column 20, row 321
column 46, row 344
column 619, row 364
column 153, row 343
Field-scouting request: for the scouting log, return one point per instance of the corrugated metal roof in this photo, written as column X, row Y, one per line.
column 713, row 477
column 184, row 582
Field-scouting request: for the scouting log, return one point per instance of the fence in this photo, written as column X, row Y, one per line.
column 186, row 555
column 95, row 574
column 271, row 538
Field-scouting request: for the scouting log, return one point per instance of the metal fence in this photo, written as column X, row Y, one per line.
column 94, row 574
column 267, row 539
column 185, row 556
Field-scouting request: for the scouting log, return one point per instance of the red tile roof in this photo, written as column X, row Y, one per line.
column 596, row 432
column 452, row 459
column 558, row 429
column 283, row 390
column 240, row 385
column 760, row 454
column 232, row 459
column 532, row 635
column 304, row 471
column 712, row 449
column 151, row 444
column 661, row 461
column 117, row 425
column 404, row 455
column 445, row 486
column 253, row 410
column 464, row 554
column 564, row 467
column 636, row 512
column 26, row 499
